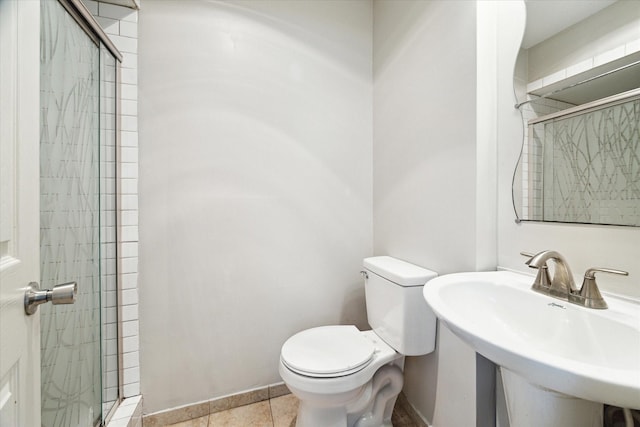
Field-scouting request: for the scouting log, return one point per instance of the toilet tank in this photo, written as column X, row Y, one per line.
column 396, row 309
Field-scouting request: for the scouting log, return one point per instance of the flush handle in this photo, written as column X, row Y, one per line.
column 62, row 294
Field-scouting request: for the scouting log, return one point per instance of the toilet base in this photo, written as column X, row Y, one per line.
column 308, row 415
column 368, row 406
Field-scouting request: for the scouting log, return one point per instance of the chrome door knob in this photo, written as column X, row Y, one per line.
column 61, row 294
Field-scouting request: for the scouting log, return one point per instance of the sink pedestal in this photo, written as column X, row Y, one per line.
column 529, row 405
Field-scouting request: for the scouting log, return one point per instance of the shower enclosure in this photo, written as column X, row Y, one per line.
column 78, row 216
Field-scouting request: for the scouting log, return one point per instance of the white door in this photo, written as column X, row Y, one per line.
column 19, row 211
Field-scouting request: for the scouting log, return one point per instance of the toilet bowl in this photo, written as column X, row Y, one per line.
column 345, row 377
column 329, row 369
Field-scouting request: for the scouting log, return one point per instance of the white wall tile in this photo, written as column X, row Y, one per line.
column 129, row 170
column 129, row 218
column 129, row 249
column 129, row 281
column 129, row 139
column 129, row 186
column 125, row 44
column 120, row 13
column 111, row 331
column 130, row 312
column 111, row 350
column 129, row 29
column 110, row 298
column 129, row 234
column 132, row 389
column 632, row 47
column 130, row 360
column 110, row 26
column 130, row 298
column 129, row 265
column 111, row 379
column 129, row 76
column 131, row 375
column 92, row 6
column 555, row 77
column 130, row 328
column 111, row 362
column 111, row 315
column 608, row 56
column 129, row 91
column 130, row 344
column 535, row 85
column 129, row 202
column 129, row 60
column 129, row 107
column 585, row 65
column 129, row 155
column 129, row 123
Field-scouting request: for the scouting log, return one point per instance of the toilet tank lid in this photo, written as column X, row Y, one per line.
column 398, row 271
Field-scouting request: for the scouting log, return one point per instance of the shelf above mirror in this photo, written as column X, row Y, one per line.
column 584, row 83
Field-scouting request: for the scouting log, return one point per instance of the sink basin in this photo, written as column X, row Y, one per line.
column 586, row 353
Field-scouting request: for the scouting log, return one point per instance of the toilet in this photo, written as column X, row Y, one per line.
column 344, row 377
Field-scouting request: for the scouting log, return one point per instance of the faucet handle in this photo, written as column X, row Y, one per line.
column 589, row 294
column 542, row 282
column 591, row 272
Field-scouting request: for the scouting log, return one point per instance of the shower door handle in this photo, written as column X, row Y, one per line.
column 61, row 294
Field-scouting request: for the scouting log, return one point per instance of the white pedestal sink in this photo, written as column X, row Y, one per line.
column 587, row 353
column 529, row 405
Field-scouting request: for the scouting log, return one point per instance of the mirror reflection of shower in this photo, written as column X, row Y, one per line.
column 577, row 82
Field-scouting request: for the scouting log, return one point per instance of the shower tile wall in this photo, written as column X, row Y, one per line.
column 532, row 154
column 121, row 24
column 108, row 243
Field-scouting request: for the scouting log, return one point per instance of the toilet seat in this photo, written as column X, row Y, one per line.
column 327, row 351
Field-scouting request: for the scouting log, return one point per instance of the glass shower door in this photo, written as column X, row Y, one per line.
column 108, row 233
column 70, row 219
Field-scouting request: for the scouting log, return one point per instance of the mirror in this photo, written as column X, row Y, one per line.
column 577, row 83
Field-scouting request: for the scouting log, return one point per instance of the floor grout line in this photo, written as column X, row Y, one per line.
column 273, row 421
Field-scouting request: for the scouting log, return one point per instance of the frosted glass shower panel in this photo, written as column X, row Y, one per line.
column 589, row 171
column 69, row 218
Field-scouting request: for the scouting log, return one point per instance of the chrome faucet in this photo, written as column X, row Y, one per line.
column 589, row 294
column 562, row 283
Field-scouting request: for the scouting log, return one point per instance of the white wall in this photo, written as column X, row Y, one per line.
column 426, row 173
column 255, row 183
column 584, row 246
column 424, row 132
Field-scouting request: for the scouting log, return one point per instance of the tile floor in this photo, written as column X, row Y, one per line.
column 276, row 412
